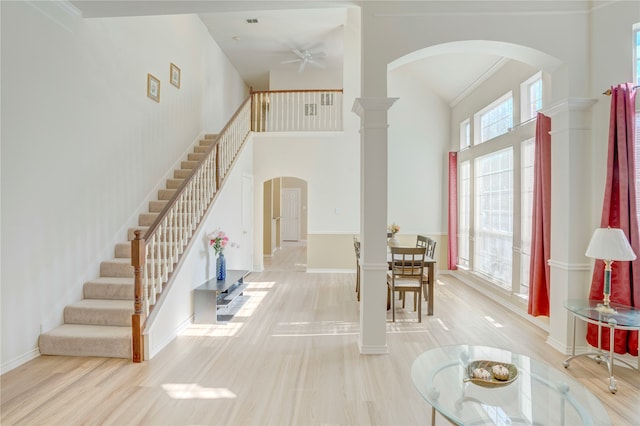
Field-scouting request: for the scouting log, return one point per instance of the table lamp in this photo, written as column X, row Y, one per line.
column 609, row 244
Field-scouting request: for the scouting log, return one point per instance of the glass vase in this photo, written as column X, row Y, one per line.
column 221, row 267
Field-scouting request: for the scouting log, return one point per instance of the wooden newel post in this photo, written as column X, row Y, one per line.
column 138, row 257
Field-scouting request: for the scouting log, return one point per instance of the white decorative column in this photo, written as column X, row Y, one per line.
column 373, row 223
column 571, row 223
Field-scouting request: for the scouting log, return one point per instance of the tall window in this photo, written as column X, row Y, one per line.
column 464, row 221
column 493, row 229
column 526, row 211
column 465, row 134
column 496, row 119
column 531, row 97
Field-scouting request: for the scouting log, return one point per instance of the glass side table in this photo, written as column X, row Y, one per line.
column 539, row 395
column 625, row 318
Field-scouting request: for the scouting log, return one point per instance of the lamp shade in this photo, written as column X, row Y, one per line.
column 610, row 244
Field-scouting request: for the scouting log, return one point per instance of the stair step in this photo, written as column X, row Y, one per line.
column 202, row 149
column 188, row 165
column 174, row 183
column 194, row 156
column 87, row 340
column 118, row 288
column 211, row 136
column 99, row 312
column 181, row 174
column 116, row 267
column 123, row 250
column 166, row 194
column 147, row 219
column 156, row 206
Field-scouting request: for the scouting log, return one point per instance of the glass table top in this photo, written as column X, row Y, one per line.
column 625, row 316
column 539, row 395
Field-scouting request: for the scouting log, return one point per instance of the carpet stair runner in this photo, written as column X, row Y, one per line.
column 100, row 324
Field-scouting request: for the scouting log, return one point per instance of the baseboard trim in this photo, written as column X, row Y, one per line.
column 17, row 362
column 330, row 271
column 152, row 349
column 372, row 349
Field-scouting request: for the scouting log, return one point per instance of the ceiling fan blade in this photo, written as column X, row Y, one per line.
column 318, row 55
column 298, row 53
column 290, row 61
column 302, row 65
column 317, row 64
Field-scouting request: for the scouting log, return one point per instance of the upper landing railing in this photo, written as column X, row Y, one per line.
column 296, row 111
column 156, row 254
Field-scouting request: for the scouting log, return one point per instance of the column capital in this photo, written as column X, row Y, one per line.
column 569, row 104
column 361, row 105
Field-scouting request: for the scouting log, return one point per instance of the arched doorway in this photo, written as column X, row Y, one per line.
column 284, row 213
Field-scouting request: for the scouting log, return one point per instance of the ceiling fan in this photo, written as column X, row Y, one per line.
column 306, row 57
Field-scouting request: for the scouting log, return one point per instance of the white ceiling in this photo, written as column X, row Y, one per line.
column 256, row 49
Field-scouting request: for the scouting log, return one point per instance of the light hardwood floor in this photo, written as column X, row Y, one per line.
column 289, row 357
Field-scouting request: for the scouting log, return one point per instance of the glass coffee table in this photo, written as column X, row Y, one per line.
column 537, row 395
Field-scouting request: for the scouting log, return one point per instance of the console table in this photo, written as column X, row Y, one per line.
column 625, row 318
column 215, row 293
column 540, row 395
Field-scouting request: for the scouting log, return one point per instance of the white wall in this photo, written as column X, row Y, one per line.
column 417, row 155
column 310, row 78
column 83, row 148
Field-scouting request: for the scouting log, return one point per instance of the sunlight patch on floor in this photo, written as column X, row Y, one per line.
column 195, row 391
column 493, row 322
column 254, row 285
column 254, row 299
column 321, row 328
column 444, row 327
column 228, row 329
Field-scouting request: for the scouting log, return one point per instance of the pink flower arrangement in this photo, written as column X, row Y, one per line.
column 218, row 240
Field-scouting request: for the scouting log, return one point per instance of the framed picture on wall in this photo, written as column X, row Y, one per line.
column 174, row 75
column 153, row 88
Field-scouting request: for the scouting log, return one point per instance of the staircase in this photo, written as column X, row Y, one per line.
column 100, row 324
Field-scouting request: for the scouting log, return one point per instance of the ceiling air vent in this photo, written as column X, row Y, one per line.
column 252, row 21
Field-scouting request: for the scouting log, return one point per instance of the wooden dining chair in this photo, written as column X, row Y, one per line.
column 430, row 245
column 356, row 246
column 407, row 269
column 422, row 241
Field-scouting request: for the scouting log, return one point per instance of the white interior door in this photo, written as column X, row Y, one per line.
column 290, row 214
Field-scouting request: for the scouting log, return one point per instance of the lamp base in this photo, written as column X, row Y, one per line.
column 606, row 309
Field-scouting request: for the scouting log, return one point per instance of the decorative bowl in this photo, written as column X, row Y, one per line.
column 492, row 381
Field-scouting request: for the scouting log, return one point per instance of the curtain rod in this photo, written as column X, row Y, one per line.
column 608, row 91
